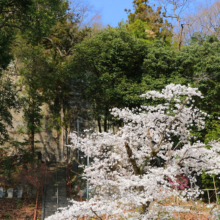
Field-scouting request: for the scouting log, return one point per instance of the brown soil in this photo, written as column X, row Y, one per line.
column 193, row 216
column 19, row 209
column 200, row 207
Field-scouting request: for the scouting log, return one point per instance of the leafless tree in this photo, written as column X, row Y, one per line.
column 174, row 9
column 86, row 14
column 205, row 20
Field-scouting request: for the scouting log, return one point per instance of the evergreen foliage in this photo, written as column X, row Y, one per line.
column 8, row 100
column 148, row 24
column 110, row 65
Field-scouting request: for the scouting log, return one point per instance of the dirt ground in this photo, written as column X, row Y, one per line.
column 198, row 210
column 19, row 209
column 193, row 216
column 23, row 209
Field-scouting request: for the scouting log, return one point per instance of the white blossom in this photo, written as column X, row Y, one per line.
column 131, row 169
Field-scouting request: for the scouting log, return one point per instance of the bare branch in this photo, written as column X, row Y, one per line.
column 132, row 160
column 48, row 39
column 87, row 15
column 205, row 20
column 178, row 7
column 170, row 124
column 55, row 46
column 60, row 52
column 182, row 158
column 96, row 214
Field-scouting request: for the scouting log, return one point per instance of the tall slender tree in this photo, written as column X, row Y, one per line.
column 32, row 20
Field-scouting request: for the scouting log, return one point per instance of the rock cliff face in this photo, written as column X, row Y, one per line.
column 50, row 142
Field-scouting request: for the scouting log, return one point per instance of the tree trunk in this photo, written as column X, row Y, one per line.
column 180, row 37
column 31, row 141
column 144, row 208
column 105, row 119
column 99, row 124
column 105, row 125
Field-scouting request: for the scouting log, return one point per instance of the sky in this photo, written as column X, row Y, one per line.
column 112, row 11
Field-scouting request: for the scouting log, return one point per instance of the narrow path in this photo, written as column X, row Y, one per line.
column 56, row 184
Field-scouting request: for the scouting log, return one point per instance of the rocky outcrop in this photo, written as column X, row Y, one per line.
column 50, row 142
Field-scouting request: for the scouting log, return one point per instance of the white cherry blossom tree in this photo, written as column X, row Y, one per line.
column 138, row 166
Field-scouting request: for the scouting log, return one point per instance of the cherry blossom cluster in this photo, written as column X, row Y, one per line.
column 133, row 169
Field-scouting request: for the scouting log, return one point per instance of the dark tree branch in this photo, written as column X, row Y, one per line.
column 169, row 126
column 12, row 25
column 96, row 214
column 190, row 157
column 137, row 170
column 55, row 46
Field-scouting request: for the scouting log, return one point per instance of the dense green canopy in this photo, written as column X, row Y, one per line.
column 110, row 65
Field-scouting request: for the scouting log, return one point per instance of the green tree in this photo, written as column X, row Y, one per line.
column 164, row 65
column 7, row 90
column 5, row 55
column 12, row 12
column 110, row 68
column 60, row 44
column 148, row 24
column 8, row 100
column 32, row 20
column 44, row 78
column 34, row 66
column 197, row 64
column 206, row 67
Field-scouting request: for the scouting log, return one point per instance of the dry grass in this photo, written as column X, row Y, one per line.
column 19, row 209
column 198, row 209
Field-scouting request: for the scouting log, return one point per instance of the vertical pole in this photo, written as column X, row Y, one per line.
column 208, row 196
column 215, row 190
column 194, row 201
column 177, row 205
column 57, row 187
column 67, row 148
column 61, row 139
column 57, row 199
column 77, row 121
column 87, row 188
column 35, row 212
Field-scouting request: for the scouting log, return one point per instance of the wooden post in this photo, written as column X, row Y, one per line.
column 215, row 191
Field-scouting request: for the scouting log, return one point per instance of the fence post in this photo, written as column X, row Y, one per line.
column 35, row 213
column 215, row 190
column 208, row 195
